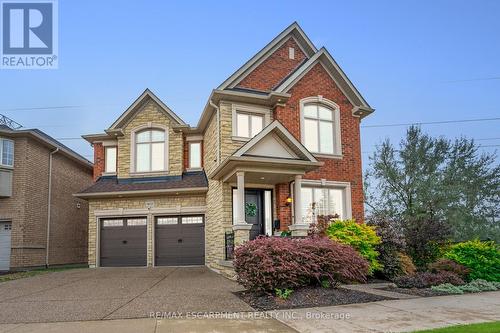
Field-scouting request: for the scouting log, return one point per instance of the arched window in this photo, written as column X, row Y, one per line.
column 150, row 150
column 320, row 126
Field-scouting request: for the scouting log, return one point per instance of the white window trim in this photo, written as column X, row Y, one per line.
column 336, row 125
column 189, row 143
column 7, row 166
column 133, row 135
column 323, row 183
column 106, row 173
column 249, row 109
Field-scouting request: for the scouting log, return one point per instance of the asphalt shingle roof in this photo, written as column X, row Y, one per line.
column 113, row 184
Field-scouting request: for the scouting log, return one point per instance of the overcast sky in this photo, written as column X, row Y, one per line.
column 413, row 61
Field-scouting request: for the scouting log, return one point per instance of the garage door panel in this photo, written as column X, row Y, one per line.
column 123, row 245
column 180, row 243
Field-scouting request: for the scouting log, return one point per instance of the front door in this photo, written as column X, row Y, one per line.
column 254, row 212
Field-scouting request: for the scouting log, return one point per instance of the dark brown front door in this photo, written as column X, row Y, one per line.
column 123, row 242
column 180, row 240
column 254, row 212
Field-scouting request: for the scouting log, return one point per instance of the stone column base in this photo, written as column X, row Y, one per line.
column 241, row 233
column 299, row 230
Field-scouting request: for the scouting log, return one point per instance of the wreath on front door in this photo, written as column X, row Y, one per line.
column 251, row 209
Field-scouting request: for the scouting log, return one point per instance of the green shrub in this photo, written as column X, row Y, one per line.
column 474, row 286
column 482, row 258
column 483, row 285
column 283, row 293
column 447, row 288
column 360, row 236
column 469, row 288
column 449, row 266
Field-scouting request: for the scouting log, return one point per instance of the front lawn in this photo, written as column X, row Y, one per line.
column 493, row 327
column 38, row 271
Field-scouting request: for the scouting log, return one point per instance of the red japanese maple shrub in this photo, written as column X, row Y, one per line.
column 267, row 263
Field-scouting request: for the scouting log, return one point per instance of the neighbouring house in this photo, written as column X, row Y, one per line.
column 41, row 222
column 277, row 144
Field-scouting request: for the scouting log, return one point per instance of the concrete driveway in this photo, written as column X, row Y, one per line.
column 116, row 293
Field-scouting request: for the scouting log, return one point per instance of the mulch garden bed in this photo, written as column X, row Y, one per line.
column 308, row 297
column 422, row 292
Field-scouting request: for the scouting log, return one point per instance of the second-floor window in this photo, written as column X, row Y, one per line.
column 195, row 155
column 248, row 125
column 110, row 159
column 6, row 152
column 150, row 151
column 320, row 126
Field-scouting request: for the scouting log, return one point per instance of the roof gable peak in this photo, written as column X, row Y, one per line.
column 294, row 31
column 278, row 141
column 136, row 106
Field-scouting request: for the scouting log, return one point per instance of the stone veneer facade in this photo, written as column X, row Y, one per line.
column 135, row 206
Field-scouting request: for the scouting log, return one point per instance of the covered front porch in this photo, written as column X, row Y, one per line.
column 257, row 174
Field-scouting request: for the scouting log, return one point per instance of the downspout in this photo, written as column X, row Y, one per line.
column 49, row 202
column 218, row 129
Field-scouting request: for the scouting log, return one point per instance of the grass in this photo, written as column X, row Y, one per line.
column 492, row 327
column 36, row 271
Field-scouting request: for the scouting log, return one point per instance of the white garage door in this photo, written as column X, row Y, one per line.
column 5, row 229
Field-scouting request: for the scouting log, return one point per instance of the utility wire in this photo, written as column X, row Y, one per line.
column 433, row 122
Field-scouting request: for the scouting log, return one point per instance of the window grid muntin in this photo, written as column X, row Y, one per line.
column 192, row 220
column 167, row 220
column 318, row 120
column 149, row 142
column 112, row 223
column 309, row 214
column 249, row 120
column 137, row 222
column 6, row 152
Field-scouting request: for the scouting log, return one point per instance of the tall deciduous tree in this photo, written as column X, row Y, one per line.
column 444, row 188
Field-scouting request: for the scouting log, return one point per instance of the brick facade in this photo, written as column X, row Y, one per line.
column 275, row 68
column 218, row 144
column 27, row 209
column 99, row 159
column 348, row 169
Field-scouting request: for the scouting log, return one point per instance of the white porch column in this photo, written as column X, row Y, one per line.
column 241, row 228
column 240, row 198
column 297, row 199
column 298, row 228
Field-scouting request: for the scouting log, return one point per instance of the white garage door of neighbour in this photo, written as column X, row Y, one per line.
column 5, row 230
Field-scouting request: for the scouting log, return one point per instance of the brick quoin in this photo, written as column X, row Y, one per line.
column 98, row 160
column 348, row 169
column 274, row 69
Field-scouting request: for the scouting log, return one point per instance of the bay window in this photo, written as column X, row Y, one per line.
column 150, row 151
column 110, row 159
column 6, row 152
column 320, row 126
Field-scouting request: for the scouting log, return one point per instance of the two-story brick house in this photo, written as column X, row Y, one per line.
column 41, row 222
column 277, row 144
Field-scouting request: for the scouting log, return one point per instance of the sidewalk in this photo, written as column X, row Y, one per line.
column 395, row 316
column 398, row 315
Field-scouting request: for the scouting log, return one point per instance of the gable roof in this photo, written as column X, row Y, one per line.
column 337, row 74
column 47, row 141
column 136, row 105
column 294, row 30
column 291, row 144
